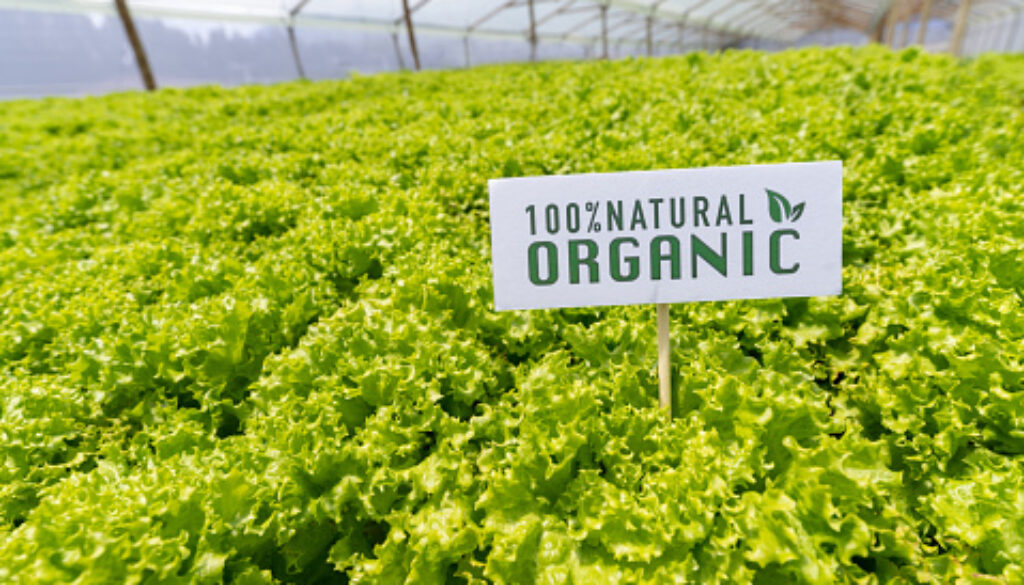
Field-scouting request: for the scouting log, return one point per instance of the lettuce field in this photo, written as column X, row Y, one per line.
column 247, row 335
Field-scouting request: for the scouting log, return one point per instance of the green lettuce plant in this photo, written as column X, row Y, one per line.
column 246, row 335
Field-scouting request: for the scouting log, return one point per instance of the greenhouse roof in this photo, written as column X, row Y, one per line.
column 657, row 22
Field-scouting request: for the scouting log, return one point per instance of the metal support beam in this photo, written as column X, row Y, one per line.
column 956, row 44
column 564, row 8
column 893, row 19
column 497, row 10
column 533, row 32
column 398, row 50
column 292, row 41
column 618, row 32
column 136, row 43
column 650, row 26
column 649, row 40
column 604, row 31
column 881, row 22
column 579, row 26
column 412, row 34
column 926, row 16
column 295, row 50
column 702, row 21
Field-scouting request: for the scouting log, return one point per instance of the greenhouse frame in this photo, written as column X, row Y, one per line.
column 649, row 26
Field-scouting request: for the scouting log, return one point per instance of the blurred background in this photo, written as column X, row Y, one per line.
column 78, row 47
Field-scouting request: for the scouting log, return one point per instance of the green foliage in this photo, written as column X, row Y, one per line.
column 246, row 335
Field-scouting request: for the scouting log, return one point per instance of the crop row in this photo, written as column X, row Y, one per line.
column 247, row 336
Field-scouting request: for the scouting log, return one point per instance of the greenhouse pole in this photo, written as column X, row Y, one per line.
column 398, row 50
column 295, row 51
column 604, row 31
column 649, row 25
column 650, row 36
column 908, row 20
column 291, row 37
column 136, row 43
column 890, row 29
column 926, row 15
column 533, row 32
column 956, row 44
column 880, row 19
column 412, row 34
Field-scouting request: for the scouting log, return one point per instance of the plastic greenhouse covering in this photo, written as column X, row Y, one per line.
column 663, row 23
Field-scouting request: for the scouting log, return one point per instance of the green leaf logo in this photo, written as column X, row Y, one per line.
column 779, row 208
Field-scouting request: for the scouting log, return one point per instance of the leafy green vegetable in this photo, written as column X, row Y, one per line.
column 246, row 335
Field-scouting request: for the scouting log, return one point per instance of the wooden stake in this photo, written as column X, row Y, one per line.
column 664, row 361
column 136, row 43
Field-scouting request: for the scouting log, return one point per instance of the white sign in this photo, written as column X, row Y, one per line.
column 668, row 236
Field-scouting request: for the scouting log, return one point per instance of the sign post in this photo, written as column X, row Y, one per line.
column 669, row 236
column 664, row 361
